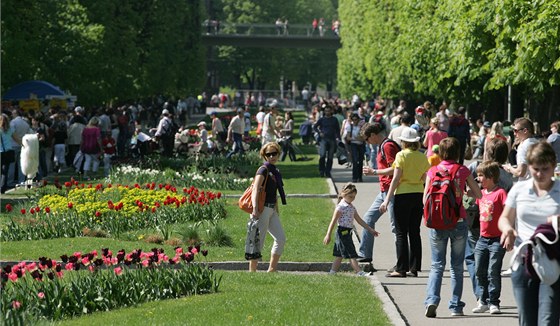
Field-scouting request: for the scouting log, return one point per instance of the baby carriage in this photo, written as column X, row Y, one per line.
column 290, row 149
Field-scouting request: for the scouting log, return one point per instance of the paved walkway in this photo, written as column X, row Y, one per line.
column 408, row 294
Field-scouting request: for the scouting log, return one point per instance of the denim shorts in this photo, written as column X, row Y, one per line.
column 343, row 245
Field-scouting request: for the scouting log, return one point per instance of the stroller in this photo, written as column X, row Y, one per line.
column 290, row 149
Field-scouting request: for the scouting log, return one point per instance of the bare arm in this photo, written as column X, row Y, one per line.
column 506, row 224
column 364, row 224
column 387, row 171
column 474, row 189
column 520, row 170
column 394, row 183
column 334, row 220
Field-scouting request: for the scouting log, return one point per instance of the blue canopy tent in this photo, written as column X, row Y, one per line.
column 40, row 88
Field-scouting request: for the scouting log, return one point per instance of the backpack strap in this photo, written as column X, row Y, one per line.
column 382, row 150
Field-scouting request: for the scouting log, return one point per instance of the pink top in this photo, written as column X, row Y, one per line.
column 433, row 138
column 90, row 140
column 462, row 174
column 491, row 207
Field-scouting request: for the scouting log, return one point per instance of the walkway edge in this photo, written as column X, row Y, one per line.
column 389, row 305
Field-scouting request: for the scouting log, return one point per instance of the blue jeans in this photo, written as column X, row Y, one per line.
column 237, row 145
column 373, row 156
column 438, row 242
column 370, row 217
column 488, row 256
column 473, row 236
column 357, row 161
column 327, row 148
column 537, row 303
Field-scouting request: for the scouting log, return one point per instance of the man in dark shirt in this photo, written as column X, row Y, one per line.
column 329, row 132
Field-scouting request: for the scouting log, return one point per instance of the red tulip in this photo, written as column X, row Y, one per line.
column 47, row 209
column 68, row 184
column 70, row 205
column 9, row 208
column 97, row 214
column 22, row 210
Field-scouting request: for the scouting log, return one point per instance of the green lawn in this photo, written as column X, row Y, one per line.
column 261, row 299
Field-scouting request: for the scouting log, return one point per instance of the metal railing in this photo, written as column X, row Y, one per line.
column 218, row 28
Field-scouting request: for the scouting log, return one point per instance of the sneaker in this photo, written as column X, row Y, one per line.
column 361, row 273
column 495, row 310
column 331, row 272
column 457, row 313
column 480, row 308
column 431, row 311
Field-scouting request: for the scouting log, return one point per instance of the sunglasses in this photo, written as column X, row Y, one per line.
column 272, row 154
column 517, row 130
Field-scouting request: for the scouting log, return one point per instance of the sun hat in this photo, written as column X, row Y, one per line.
column 409, row 135
column 201, row 123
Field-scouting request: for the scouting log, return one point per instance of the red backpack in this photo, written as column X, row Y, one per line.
column 443, row 199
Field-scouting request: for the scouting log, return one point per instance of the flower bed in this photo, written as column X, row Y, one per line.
column 113, row 209
column 46, row 290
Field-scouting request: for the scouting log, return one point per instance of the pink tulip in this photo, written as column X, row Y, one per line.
column 69, row 266
column 118, row 270
column 16, row 304
column 41, row 295
column 145, row 263
column 13, row 277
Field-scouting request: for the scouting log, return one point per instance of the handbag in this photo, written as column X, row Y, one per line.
column 246, row 202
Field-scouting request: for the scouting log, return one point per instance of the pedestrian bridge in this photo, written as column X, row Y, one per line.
column 267, row 36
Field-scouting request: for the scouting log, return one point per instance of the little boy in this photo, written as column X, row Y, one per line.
column 489, row 253
column 434, row 159
column 109, row 151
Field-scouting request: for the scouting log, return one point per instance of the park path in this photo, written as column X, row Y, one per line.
column 408, row 294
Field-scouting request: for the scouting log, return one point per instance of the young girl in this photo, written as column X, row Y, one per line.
column 344, row 215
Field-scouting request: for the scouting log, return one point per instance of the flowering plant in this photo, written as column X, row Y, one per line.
column 46, row 290
column 113, row 209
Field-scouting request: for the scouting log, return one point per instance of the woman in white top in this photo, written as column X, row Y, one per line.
column 530, row 203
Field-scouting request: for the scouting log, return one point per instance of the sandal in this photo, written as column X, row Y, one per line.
column 396, row 274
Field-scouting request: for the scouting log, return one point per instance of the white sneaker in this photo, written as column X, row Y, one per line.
column 480, row 308
column 361, row 273
column 495, row 310
column 331, row 272
column 457, row 314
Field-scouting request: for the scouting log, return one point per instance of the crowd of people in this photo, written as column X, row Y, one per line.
column 505, row 190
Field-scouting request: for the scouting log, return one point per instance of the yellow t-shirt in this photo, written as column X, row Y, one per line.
column 413, row 165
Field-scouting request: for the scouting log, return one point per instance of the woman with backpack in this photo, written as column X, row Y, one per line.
column 410, row 168
column 460, row 176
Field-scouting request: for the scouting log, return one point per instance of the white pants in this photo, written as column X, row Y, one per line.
column 91, row 159
column 59, row 153
column 270, row 221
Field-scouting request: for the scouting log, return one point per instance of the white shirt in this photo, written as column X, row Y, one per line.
column 521, row 156
column 531, row 209
column 260, row 117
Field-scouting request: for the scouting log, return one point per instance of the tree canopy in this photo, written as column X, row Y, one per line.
column 466, row 51
column 104, row 50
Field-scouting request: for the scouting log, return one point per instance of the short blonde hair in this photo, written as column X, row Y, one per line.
column 266, row 146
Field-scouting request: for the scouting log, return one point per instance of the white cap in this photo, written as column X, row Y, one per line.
column 165, row 111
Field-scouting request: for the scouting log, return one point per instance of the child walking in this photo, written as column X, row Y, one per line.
column 344, row 215
column 109, row 150
column 489, row 253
